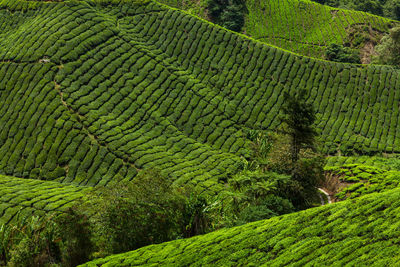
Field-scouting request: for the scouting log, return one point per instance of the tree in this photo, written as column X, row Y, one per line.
column 228, row 13
column 130, row 215
column 306, row 164
column 339, row 53
column 55, row 239
column 298, row 119
column 148, row 210
column 391, row 9
column 389, row 49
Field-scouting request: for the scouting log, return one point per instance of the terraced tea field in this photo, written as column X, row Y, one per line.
column 94, row 91
column 307, row 28
column 104, row 93
column 362, row 232
column 26, row 197
column 351, row 177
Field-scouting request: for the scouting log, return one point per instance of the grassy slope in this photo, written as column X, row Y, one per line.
column 385, row 163
column 384, row 8
column 54, row 129
column 360, row 232
column 93, row 92
column 306, row 27
column 362, row 175
column 302, row 26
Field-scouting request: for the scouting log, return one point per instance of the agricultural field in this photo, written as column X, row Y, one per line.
column 350, row 177
column 305, row 27
column 391, row 163
column 384, row 8
column 94, row 92
column 113, row 97
column 363, row 231
column 27, row 197
column 308, row 28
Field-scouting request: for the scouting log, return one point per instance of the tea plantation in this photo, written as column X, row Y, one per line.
column 362, row 179
column 113, row 91
column 97, row 91
column 363, row 175
column 305, row 27
column 27, row 197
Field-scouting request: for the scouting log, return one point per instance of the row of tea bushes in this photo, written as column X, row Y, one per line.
column 27, row 197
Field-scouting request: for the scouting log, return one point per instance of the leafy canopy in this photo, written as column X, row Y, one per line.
column 389, row 49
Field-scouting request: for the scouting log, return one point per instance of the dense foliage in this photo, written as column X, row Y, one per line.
column 386, row 8
column 251, row 196
column 389, row 49
column 149, row 210
column 361, row 232
column 228, row 13
column 340, row 53
column 54, row 239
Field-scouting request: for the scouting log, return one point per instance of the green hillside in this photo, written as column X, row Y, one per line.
column 360, row 232
column 105, row 92
column 308, row 28
column 385, row 8
column 305, row 27
column 99, row 91
column 27, row 197
column 350, row 177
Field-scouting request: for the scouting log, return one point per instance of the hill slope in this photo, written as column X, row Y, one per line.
column 349, row 177
column 305, row 27
column 308, row 28
column 27, row 197
column 114, row 88
column 94, row 91
column 360, row 232
column 385, row 8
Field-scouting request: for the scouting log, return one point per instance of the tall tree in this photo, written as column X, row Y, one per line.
column 306, row 168
column 298, row 118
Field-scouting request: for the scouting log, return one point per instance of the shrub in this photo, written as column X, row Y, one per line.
column 268, row 207
column 40, row 241
column 228, row 13
column 195, row 219
column 148, row 210
column 339, row 53
column 255, row 213
column 250, row 196
column 389, row 48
